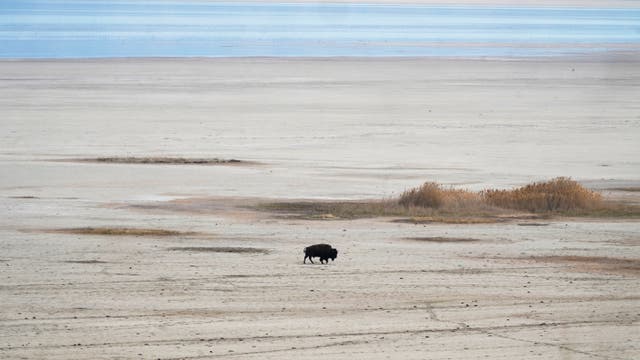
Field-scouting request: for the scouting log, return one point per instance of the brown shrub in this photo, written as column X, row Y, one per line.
column 559, row 194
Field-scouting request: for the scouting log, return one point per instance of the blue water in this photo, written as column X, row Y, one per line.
column 141, row 28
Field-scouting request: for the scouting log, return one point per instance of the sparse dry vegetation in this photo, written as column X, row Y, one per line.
column 341, row 210
column 432, row 203
column 120, row 231
column 330, row 210
column 162, row 160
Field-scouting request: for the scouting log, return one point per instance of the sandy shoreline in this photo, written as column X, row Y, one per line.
column 626, row 52
column 220, row 280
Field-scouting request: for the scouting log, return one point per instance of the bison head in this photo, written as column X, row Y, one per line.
column 334, row 254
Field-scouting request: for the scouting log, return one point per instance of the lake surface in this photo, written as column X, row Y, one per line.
column 87, row 29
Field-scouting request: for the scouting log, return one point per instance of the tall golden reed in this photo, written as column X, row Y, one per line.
column 559, row 194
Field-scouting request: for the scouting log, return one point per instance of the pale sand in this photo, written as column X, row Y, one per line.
column 332, row 128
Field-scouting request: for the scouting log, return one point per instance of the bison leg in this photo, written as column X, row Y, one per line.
column 305, row 259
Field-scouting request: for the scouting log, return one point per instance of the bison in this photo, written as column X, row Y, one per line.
column 323, row 251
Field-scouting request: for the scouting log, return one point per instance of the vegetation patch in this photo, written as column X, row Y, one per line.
column 434, row 203
column 162, row 160
column 218, row 249
column 557, row 195
column 434, row 195
column 120, row 231
column 345, row 210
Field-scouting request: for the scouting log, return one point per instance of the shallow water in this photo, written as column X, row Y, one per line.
column 85, row 29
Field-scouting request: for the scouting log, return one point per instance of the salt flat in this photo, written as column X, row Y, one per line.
column 343, row 128
column 314, row 128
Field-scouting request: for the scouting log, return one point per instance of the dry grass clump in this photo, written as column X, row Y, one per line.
column 433, row 195
column 120, row 231
column 557, row 195
column 160, row 160
column 430, row 194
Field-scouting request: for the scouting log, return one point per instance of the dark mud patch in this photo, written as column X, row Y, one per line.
column 234, row 207
column 443, row 239
column 533, row 224
column 595, row 263
column 450, row 220
column 120, row 231
column 85, row 262
column 244, row 276
column 331, row 210
column 221, row 249
column 24, row 197
column 161, row 161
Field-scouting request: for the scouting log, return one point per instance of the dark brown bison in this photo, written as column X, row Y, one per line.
column 323, row 251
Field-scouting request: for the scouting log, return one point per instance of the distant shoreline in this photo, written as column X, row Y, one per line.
column 610, row 56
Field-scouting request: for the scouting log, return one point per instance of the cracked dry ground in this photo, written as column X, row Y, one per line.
column 502, row 296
